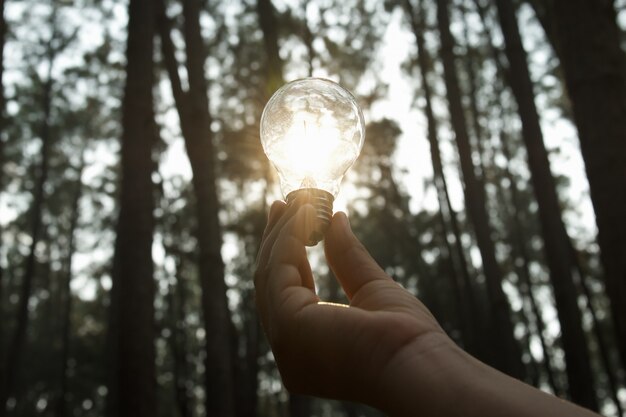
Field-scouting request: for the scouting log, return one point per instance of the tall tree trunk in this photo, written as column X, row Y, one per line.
column 176, row 301
column 269, row 27
column 469, row 308
column 307, row 38
column 517, row 234
column 586, row 38
column 3, row 31
column 556, row 240
column 195, row 119
column 521, row 270
column 520, row 240
column 507, row 356
column 603, row 347
column 470, row 68
column 66, row 325
column 2, row 140
column 17, row 342
column 136, row 384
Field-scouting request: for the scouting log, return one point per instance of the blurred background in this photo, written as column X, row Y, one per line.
column 134, row 191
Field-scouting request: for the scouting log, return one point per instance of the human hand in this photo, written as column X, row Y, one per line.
column 330, row 350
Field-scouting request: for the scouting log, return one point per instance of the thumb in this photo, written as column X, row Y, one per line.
column 347, row 257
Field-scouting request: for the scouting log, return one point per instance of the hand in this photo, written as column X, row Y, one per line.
column 331, row 350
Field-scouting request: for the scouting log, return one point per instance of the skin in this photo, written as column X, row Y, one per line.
column 385, row 348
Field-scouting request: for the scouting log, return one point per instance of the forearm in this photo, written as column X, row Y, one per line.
column 433, row 377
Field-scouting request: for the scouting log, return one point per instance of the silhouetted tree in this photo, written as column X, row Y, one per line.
column 133, row 275
column 507, row 356
column 586, row 38
column 195, row 123
column 556, row 240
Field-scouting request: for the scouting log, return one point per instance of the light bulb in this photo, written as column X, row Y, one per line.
column 312, row 130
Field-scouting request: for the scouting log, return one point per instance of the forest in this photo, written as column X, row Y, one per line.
column 134, row 192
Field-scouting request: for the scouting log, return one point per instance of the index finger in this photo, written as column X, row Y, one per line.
column 347, row 257
column 289, row 280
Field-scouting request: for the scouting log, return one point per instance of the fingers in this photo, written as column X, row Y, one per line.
column 280, row 213
column 283, row 267
column 276, row 211
column 289, row 252
column 352, row 264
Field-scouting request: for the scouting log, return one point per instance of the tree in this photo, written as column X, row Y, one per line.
column 586, row 38
column 195, row 123
column 66, row 324
column 3, row 31
column 507, row 352
column 133, row 275
column 556, row 240
column 16, row 344
column 467, row 302
column 269, row 27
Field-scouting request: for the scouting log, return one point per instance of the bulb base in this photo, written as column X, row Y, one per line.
column 323, row 203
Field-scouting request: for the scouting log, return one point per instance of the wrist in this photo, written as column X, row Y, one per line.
column 429, row 376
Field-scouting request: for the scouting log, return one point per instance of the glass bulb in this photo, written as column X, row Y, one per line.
column 312, row 130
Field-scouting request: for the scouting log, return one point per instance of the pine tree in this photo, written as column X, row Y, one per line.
column 13, row 359
column 133, row 275
column 586, row 38
column 556, row 240
column 195, row 122
column 507, row 352
column 465, row 287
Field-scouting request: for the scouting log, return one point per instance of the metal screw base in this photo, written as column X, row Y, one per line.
column 323, row 203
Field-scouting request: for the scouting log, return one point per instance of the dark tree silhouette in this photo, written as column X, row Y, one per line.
column 16, row 343
column 507, row 356
column 586, row 38
column 133, row 275
column 467, row 301
column 195, row 122
column 556, row 240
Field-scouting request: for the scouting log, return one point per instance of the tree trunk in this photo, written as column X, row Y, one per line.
column 603, row 347
column 136, row 384
column 556, row 240
column 472, row 94
column 3, row 31
column 517, row 234
column 307, row 38
column 269, row 27
column 66, row 325
column 195, row 119
column 16, row 344
column 521, row 270
column 507, row 356
column 176, row 301
column 519, row 240
column 2, row 139
column 248, row 365
column 468, row 305
column 586, row 38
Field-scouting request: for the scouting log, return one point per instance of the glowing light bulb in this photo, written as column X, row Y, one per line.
column 312, row 130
